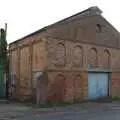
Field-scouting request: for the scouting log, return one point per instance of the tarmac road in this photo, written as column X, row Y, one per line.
column 104, row 115
column 83, row 111
column 89, row 111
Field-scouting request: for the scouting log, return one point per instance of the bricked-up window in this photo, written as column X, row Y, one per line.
column 79, row 31
column 106, row 59
column 77, row 87
column 57, row 90
column 98, row 28
column 92, row 58
column 60, row 54
column 77, row 59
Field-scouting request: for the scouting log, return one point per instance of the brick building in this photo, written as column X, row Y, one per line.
column 79, row 58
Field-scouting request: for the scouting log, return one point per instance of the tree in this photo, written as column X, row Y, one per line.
column 3, row 48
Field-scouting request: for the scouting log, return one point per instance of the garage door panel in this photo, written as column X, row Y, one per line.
column 97, row 85
column 92, row 82
column 103, row 85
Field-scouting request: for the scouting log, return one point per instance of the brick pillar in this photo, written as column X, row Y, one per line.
column 115, row 84
column 84, row 85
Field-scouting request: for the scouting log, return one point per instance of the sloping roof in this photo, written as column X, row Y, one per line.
column 88, row 12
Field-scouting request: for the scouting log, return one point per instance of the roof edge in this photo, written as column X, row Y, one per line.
column 93, row 8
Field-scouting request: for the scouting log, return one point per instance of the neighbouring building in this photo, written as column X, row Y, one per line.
column 78, row 57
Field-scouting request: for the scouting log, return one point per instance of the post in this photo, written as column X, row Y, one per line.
column 5, row 30
column 38, row 89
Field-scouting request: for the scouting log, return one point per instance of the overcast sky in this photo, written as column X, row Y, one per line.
column 26, row 16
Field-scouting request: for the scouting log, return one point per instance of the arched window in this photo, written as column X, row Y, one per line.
column 92, row 58
column 60, row 54
column 77, row 59
column 77, row 87
column 98, row 28
column 58, row 88
column 106, row 59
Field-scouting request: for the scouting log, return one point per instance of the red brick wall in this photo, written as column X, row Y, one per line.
column 115, row 84
column 69, row 47
column 67, row 86
column 88, row 56
column 85, row 31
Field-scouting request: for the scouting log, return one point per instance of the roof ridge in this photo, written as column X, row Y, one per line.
column 94, row 10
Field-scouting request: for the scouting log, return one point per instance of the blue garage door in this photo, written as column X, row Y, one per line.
column 97, row 85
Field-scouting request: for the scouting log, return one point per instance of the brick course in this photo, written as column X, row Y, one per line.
column 67, row 51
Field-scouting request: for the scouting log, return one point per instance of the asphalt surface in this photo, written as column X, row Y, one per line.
column 83, row 111
column 77, row 116
column 90, row 111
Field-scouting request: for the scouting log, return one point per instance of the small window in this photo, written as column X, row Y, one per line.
column 98, row 28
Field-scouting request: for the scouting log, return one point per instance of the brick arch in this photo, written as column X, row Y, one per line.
column 57, row 88
column 77, row 86
column 78, row 56
column 106, row 58
column 60, row 54
column 92, row 58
